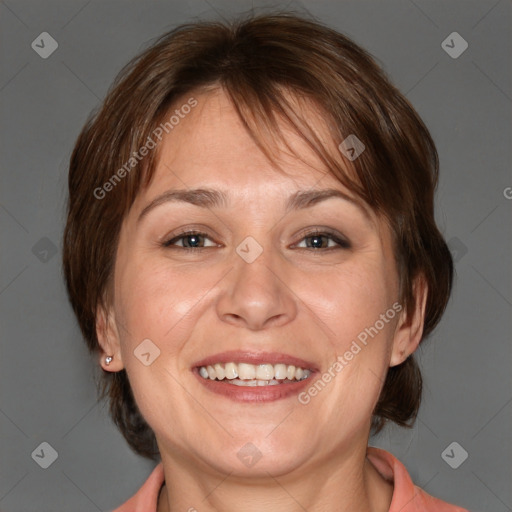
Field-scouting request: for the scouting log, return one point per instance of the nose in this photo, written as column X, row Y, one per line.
column 259, row 294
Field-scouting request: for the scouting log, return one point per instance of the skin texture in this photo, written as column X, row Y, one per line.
column 307, row 302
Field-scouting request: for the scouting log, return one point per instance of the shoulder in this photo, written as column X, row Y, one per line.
column 407, row 497
column 146, row 498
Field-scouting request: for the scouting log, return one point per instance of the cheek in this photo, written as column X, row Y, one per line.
column 158, row 302
column 356, row 307
column 352, row 299
column 140, row 303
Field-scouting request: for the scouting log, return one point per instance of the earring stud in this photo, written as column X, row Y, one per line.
column 108, row 360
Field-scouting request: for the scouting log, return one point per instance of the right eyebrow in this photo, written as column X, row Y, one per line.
column 203, row 197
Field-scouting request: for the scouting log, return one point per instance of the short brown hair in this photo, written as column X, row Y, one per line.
column 255, row 61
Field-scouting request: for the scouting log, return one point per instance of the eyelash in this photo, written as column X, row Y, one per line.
column 342, row 244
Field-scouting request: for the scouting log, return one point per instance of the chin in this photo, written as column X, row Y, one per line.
column 258, row 455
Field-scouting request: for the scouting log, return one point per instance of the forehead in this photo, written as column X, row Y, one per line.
column 212, row 142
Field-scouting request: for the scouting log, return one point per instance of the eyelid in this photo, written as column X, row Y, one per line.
column 166, row 242
column 189, row 229
column 337, row 237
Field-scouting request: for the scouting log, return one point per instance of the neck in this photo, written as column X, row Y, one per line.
column 340, row 484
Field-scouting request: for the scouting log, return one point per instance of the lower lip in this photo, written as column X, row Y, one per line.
column 253, row 393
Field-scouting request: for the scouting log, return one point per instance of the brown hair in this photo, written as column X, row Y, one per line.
column 256, row 61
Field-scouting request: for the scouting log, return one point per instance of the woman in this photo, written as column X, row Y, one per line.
column 251, row 251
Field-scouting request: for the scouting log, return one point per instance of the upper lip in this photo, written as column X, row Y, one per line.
column 255, row 357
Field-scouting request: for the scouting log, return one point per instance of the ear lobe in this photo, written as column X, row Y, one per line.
column 409, row 330
column 108, row 339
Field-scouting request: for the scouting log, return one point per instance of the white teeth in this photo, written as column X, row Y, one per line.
column 254, row 382
column 265, row 372
column 231, row 371
column 246, row 371
column 245, row 374
column 238, row 382
column 280, row 371
column 220, row 373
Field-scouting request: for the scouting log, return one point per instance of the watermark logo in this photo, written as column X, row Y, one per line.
column 454, row 45
column 351, row 147
column 355, row 347
column 45, row 455
column 454, row 455
column 249, row 455
column 44, row 250
column 147, row 352
column 457, row 248
column 44, row 45
column 249, row 249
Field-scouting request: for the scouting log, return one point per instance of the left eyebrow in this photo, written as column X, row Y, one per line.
column 211, row 198
column 308, row 198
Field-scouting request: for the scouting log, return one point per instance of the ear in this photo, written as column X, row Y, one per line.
column 108, row 339
column 409, row 330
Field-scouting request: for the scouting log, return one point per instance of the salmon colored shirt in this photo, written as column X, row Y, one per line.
column 407, row 497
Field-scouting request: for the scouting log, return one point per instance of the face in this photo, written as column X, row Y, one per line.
column 260, row 284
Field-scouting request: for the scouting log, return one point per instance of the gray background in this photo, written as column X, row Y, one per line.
column 47, row 389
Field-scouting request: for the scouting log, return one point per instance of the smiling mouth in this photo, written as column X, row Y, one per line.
column 245, row 374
